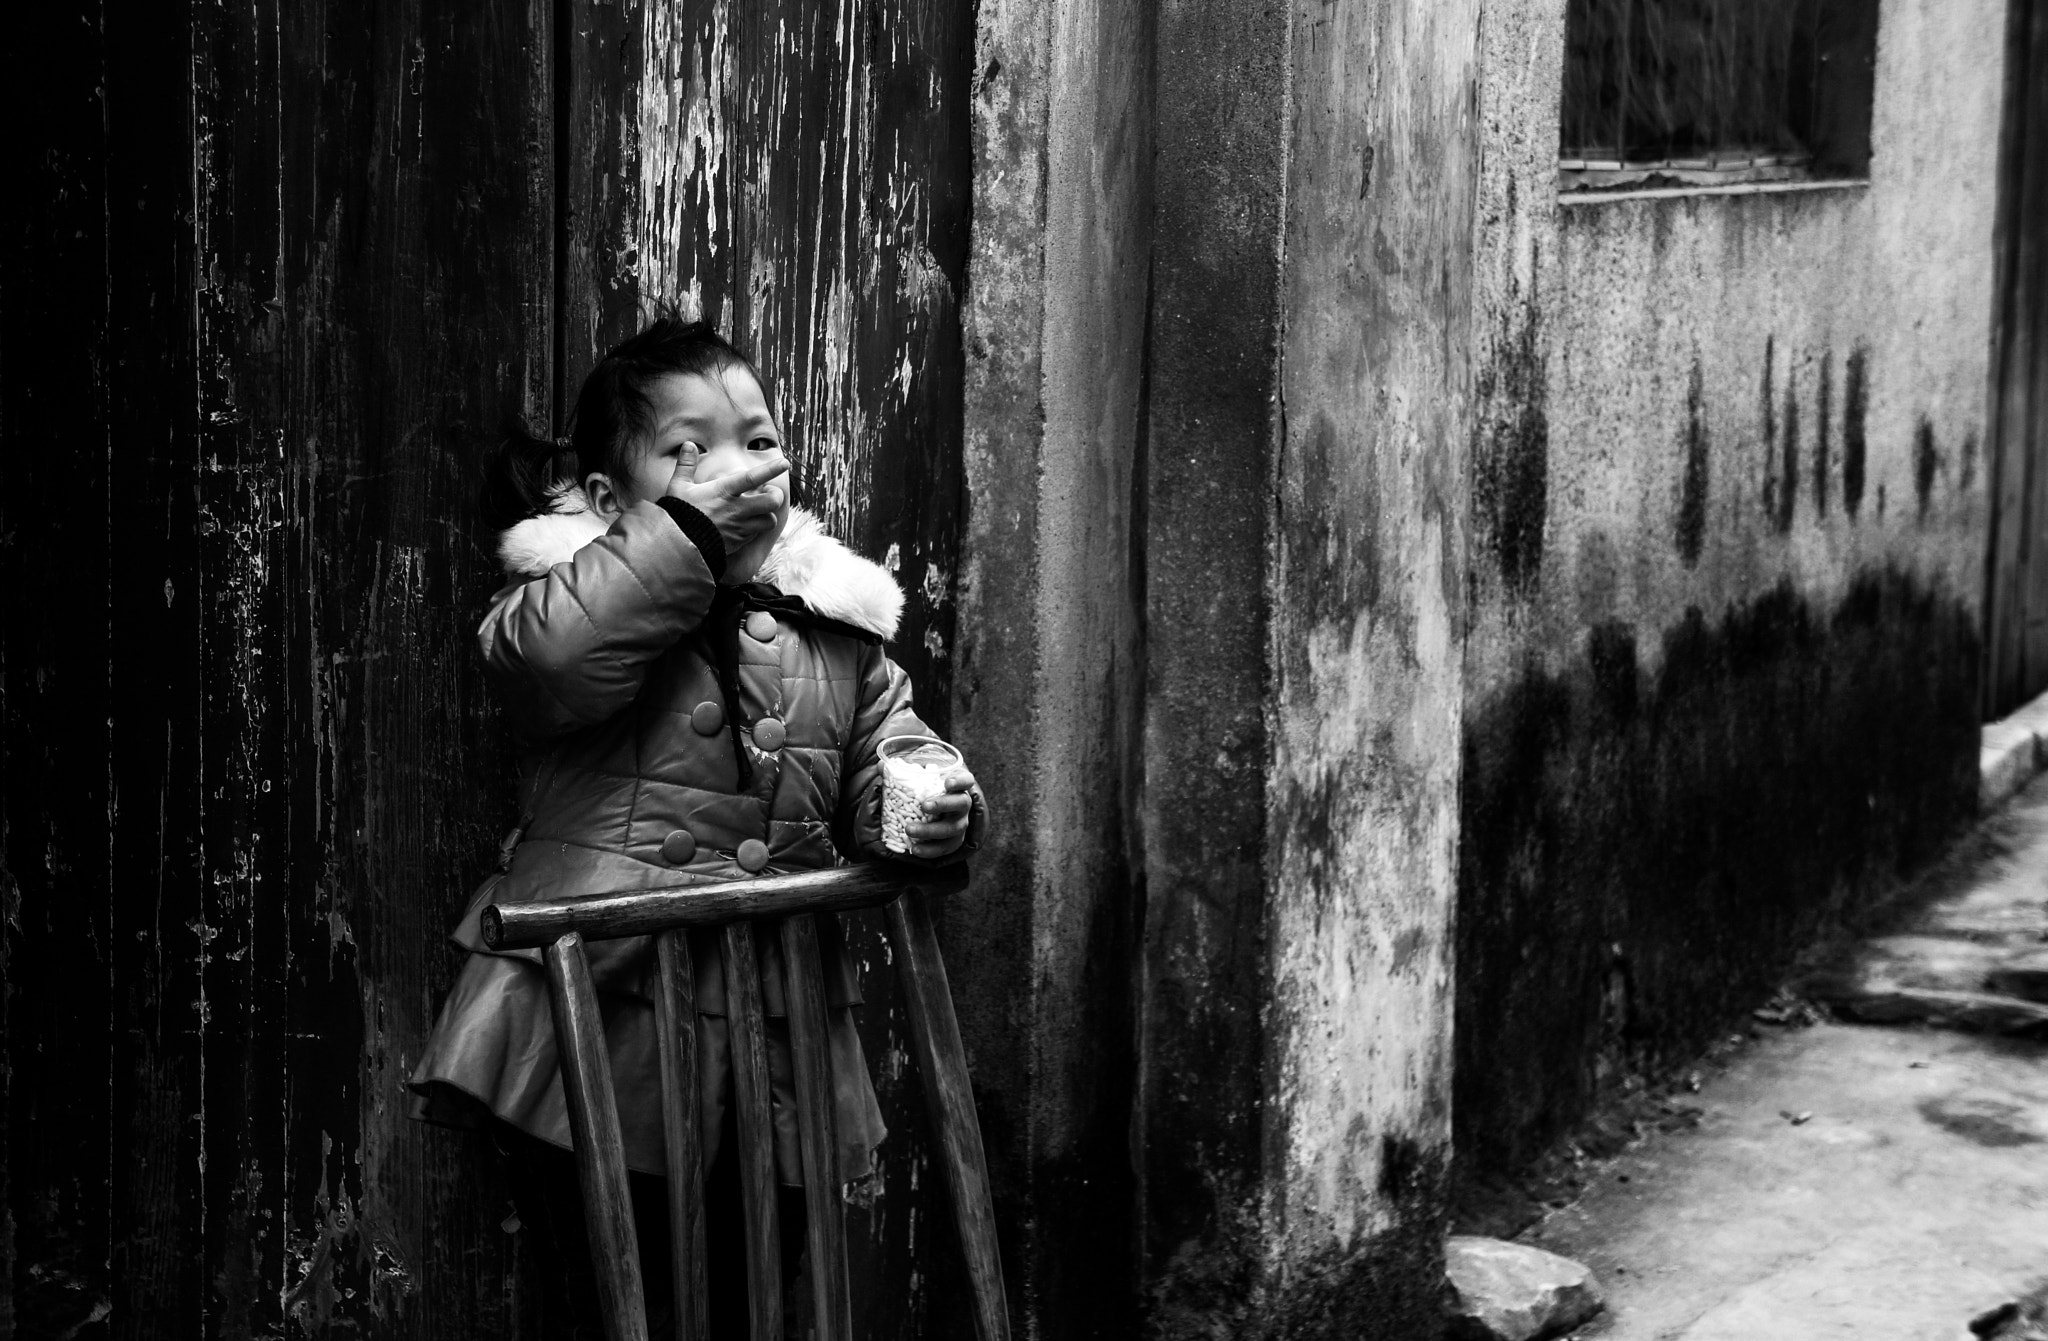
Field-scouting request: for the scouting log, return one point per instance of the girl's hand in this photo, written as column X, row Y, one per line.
column 945, row 829
column 736, row 502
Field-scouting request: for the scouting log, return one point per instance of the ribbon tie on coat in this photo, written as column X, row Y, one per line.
column 729, row 610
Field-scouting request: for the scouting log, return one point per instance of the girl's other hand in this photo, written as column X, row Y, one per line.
column 945, row 829
column 737, row 502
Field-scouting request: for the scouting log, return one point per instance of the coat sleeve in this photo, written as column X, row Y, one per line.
column 885, row 710
column 572, row 648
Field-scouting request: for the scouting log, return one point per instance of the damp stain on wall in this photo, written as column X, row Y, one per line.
column 1926, row 464
column 1788, row 492
column 1824, row 421
column 1511, row 457
column 1855, row 445
column 1767, row 408
column 1781, row 442
column 1692, row 486
column 1675, row 833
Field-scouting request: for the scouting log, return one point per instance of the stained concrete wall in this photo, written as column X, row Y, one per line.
column 1217, row 330
column 1304, row 509
column 1726, row 567
column 1376, row 564
column 1366, row 597
column 1046, row 691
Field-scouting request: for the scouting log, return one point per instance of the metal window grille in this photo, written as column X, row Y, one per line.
column 1716, row 91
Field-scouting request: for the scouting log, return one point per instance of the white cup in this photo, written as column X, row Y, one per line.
column 914, row 769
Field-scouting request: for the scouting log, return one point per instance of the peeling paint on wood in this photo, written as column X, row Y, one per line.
column 326, row 262
column 796, row 172
column 320, row 276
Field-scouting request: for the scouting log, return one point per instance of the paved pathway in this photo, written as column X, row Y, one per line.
column 1883, row 1183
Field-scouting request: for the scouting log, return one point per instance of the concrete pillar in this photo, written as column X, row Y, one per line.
column 1217, row 334
column 1367, row 581
column 1305, row 538
column 1047, row 682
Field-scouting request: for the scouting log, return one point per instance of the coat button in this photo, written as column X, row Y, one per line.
column 761, row 626
column 679, row 847
column 753, row 855
column 769, row 733
column 707, row 718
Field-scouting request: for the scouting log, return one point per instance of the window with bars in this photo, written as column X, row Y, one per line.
column 1714, row 92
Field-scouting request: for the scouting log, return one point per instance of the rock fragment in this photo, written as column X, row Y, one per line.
column 2021, row 1320
column 1503, row 1291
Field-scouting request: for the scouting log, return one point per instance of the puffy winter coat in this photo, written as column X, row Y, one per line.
column 652, row 768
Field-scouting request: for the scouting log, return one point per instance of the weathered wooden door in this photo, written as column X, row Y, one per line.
column 2016, row 592
column 274, row 276
column 797, row 170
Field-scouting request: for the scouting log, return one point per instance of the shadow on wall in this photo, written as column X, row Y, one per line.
column 1643, row 852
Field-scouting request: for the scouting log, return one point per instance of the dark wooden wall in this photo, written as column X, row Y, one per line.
column 273, row 276
column 2016, row 590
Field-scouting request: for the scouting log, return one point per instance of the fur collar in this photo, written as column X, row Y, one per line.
column 806, row 563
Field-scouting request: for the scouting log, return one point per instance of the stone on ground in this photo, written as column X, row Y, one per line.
column 2021, row 1320
column 1505, row 1291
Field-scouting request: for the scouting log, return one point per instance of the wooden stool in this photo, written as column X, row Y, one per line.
column 563, row 925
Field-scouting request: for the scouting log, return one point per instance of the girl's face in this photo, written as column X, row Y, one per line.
column 706, row 427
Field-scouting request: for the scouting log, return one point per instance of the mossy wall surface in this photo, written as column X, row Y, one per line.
column 1645, row 847
column 1721, row 639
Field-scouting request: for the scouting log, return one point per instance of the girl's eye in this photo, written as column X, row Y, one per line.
column 763, row 445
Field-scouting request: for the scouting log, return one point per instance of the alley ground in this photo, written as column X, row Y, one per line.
column 1885, row 1181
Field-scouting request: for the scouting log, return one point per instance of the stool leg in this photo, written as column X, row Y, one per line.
column 756, row 1124
column 935, row 1032
column 817, row 1128
column 675, row 1027
column 600, row 1150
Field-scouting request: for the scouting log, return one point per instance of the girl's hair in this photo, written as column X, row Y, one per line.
column 613, row 408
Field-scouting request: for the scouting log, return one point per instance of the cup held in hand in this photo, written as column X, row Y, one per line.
column 914, row 769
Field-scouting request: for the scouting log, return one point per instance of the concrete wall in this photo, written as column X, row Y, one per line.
column 1366, row 594
column 1217, row 385
column 1304, row 558
column 1046, row 691
column 1375, row 564
column 1218, row 382
column 1726, row 566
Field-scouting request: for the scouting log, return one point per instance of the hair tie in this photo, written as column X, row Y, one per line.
column 565, row 444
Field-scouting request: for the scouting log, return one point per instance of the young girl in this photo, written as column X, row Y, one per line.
column 698, row 672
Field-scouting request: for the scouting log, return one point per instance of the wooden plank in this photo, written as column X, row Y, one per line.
column 675, row 1024
column 949, row 1093
column 804, row 175
column 600, row 1149
column 413, row 324
column 747, row 1032
column 509, row 926
column 804, row 991
column 91, row 1017
column 274, row 261
column 598, row 302
column 249, row 717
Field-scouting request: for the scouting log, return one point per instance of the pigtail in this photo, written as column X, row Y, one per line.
column 522, row 476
